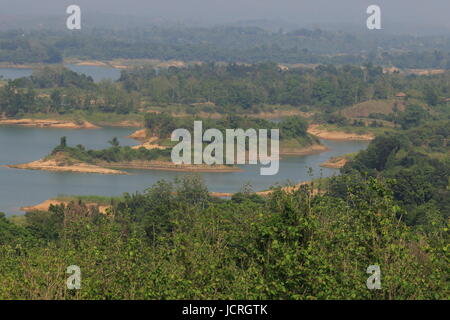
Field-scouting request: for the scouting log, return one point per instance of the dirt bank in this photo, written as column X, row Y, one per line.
column 169, row 166
column 317, row 130
column 58, row 166
column 147, row 143
column 315, row 148
column 265, row 192
column 43, row 206
column 334, row 163
column 61, row 162
column 140, row 135
column 47, row 123
column 92, row 64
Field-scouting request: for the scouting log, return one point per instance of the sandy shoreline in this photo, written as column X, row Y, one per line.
column 335, row 163
column 313, row 149
column 55, row 166
column 316, row 130
column 169, row 166
column 263, row 193
column 48, row 123
column 44, row 206
column 60, row 163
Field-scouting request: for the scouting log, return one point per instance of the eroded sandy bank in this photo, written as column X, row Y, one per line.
column 318, row 131
column 45, row 205
column 169, row 166
column 56, row 166
column 334, row 163
column 313, row 149
column 48, row 123
column 63, row 164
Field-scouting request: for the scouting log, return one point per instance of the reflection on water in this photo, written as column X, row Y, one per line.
column 26, row 187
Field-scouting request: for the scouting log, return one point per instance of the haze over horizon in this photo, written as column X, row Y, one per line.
column 405, row 16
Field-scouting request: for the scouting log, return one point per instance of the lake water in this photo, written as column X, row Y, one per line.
column 12, row 73
column 20, row 188
column 97, row 73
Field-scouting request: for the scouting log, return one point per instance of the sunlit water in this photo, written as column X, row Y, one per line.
column 20, row 188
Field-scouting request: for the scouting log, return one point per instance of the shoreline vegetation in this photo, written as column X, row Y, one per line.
column 102, row 204
column 62, row 163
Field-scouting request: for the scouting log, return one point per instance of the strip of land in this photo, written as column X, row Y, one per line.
column 303, row 151
column 61, row 162
column 54, row 165
column 335, row 163
column 48, row 123
column 44, row 206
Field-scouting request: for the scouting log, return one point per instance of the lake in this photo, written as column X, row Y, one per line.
column 97, row 73
column 20, row 188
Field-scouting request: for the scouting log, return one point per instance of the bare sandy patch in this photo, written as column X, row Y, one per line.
column 92, row 64
column 266, row 193
column 45, row 205
column 140, row 135
column 150, row 144
column 334, row 163
column 64, row 166
column 48, row 123
column 313, row 149
column 318, row 131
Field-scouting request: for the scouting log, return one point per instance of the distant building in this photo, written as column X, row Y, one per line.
column 401, row 95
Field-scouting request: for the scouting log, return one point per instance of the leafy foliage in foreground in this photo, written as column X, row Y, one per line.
column 419, row 165
column 175, row 242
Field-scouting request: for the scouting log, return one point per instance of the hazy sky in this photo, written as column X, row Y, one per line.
column 411, row 13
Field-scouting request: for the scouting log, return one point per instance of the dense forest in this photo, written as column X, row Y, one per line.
column 162, row 125
column 417, row 164
column 227, row 44
column 174, row 241
column 231, row 88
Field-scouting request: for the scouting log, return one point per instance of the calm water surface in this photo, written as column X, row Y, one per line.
column 27, row 187
column 97, row 73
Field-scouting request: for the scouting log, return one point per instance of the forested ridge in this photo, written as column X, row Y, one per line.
column 227, row 44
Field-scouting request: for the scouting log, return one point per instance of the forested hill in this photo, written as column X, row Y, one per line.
column 417, row 164
column 229, row 44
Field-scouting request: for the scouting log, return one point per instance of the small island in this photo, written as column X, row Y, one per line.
column 78, row 159
column 155, row 151
column 295, row 139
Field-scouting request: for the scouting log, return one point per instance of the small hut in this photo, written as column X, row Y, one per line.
column 401, row 95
